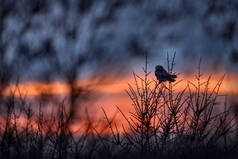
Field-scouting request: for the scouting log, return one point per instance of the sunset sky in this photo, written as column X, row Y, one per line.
column 99, row 44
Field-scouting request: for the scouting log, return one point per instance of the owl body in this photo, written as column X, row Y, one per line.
column 162, row 75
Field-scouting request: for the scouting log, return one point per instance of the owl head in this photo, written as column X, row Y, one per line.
column 159, row 68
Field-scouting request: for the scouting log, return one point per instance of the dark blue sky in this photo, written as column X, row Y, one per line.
column 114, row 34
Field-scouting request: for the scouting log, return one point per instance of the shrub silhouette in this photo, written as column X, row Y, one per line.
column 169, row 123
column 165, row 123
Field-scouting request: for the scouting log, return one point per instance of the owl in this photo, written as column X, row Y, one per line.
column 162, row 75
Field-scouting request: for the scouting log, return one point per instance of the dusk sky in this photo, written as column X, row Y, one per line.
column 112, row 79
column 101, row 42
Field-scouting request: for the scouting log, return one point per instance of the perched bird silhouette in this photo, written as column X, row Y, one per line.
column 162, row 75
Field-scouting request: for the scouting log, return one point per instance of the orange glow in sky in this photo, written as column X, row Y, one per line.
column 113, row 94
column 229, row 86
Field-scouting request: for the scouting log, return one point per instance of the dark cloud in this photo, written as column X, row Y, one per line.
column 234, row 56
column 109, row 35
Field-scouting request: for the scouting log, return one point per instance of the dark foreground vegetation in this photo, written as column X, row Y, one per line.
column 46, row 41
column 192, row 123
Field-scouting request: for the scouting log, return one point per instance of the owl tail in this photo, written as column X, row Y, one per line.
column 172, row 78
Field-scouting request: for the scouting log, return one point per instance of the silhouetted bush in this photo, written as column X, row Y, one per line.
column 165, row 123
column 185, row 124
